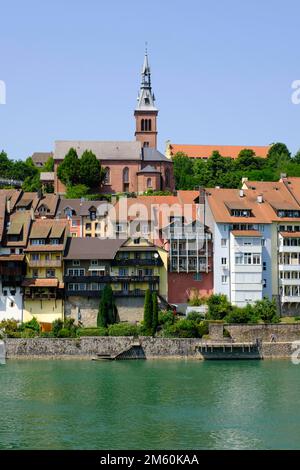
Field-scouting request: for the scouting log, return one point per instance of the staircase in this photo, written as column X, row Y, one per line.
column 134, row 351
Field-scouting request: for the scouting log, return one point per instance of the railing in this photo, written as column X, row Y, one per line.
column 137, row 262
column 44, row 263
column 38, row 296
column 4, row 271
column 90, row 278
column 130, row 293
column 135, row 278
column 83, row 293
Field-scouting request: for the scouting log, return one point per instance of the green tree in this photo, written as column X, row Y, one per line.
column 148, row 312
column 296, row 157
column 183, row 171
column 154, row 313
column 107, row 313
column 266, row 310
column 49, row 165
column 69, row 170
column 76, row 192
column 5, row 165
column 91, row 173
column 218, row 307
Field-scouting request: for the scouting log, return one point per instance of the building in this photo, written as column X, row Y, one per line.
column 43, row 285
column 203, row 152
column 242, row 240
column 130, row 267
column 134, row 166
column 40, row 158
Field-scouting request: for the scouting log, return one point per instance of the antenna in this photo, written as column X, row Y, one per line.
column 146, row 47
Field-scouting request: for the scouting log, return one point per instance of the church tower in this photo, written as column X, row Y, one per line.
column 146, row 112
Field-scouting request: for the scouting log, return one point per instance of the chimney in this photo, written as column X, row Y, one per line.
column 282, row 176
column 241, row 193
column 32, row 214
column 259, row 198
column 8, row 206
column 244, row 180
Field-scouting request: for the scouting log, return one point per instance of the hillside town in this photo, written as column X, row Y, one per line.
column 142, row 233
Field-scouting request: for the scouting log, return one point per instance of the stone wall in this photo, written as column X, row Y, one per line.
column 130, row 309
column 84, row 309
column 282, row 331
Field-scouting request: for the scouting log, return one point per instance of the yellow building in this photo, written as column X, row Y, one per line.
column 43, row 284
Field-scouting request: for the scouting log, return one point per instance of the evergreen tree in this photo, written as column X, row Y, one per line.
column 107, row 313
column 148, row 316
column 69, row 170
column 154, row 313
column 91, row 173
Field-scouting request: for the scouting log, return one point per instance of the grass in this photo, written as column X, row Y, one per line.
column 289, row 319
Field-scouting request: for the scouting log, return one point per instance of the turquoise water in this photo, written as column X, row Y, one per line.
column 150, row 404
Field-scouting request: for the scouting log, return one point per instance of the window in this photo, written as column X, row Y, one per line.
column 146, row 144
column 263, row 242
column 264, row 282
column 5, row 293
column 76, row 272
column 12, row 251
column 97, row 227
column 123, row 272
column 247, row 258
column 126, row 175
column 37, row 241
column 54, row 241
column 107, row 176
column 136, row 241
column 35, row 257
column 93, row 215
column 94, row 262
column 68, row 212
column 149, row 183
column 35, row 273
column 241, row 212
column 88, row 226
column 225, row 228
column 223, row 261
column 76, row 262
column 197, row 277
column 74, row 235
column 74, row 223
column 167, row 177
column 11, row 304
column 247, row 242
column 256, row 259
column 224, row 279
column 50, row 273
column 47, row 257
column 239, row 259
column 223, row 242
column 264, row 266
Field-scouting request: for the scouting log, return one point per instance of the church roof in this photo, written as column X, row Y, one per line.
column 146, row 99
column 104, row 150
column 152, row 154
column 149, row 169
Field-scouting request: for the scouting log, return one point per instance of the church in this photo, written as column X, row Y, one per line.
column 134, row 166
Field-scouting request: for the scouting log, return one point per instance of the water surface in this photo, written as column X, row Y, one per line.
column 150, row 404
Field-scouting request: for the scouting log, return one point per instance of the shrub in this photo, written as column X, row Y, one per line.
column 266, row 310
column 241, row 315
column 297, row 318
column 9, row 326
column 154, row 313
column 123, row 329
column 29, row 333
column 33, row 324
column 107, row 313
column 181, row 329
column 166, row 317
column 218, row 306
column 69, row 324
column 57, row 325
column 203, row 328
column 64, row 333
column 92, row 332
column 148, row 311
column 226, row 333
column 14, row 334
column 195, row 316
column 46, row 334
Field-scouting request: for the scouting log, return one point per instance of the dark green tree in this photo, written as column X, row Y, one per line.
column 183, row 171
column 91, row 173
column 148, row 315
column 5, row 165
column 107, row 313
column 296, row 157
column 154, row 313
column 218, row 307
column 49, row 165
column 69, row 170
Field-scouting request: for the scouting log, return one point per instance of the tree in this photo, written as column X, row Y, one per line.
column 76, row 192
column 247, row 160
column 91, row 173
column 5, row 165
column 183, row 171
column 278, row 149
column 154, row 313
column 266, row 310
column 49, row 165
column 296, row 157
column 69, row 170
column 107, row 313
column 148, row 314
column 218, row 306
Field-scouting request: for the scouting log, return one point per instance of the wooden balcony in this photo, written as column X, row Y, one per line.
column 137, row 262
column 44, row 263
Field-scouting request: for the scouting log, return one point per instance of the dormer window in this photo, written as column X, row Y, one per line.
column 93, row 215
column 37, row 241
column 241, row 212
column 288, row 213
column 54, row 241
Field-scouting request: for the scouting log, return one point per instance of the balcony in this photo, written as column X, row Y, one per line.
column 134, row 278
column 202, row 268
column 289, row 267
column 43, row 263
column 289, row 282
column 137, row 262
column 131, row 293
column 290, row 298
column 84, row 293
column 40, row 296
column 16, row 271
column 288, row 249
column 90, row 278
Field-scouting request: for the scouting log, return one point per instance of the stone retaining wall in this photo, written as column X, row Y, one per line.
column 282, row 331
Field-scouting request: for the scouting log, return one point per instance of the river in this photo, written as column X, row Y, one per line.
column 162, row 404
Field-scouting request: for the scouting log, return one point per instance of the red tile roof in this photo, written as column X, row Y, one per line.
column 205, row 151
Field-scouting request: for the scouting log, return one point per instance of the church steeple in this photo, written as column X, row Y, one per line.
column 146, row 111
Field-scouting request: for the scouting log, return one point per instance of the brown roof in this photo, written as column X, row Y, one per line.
column 11, row 257
column 92, row 248
column 80, row 207
column 290, row 234
column 40, row 282
column 43, row 228
column 41, row 157
column 205, row 151
column 37, row 248
column 2, row 214
column 50, row 201
column 28, row 200
column 15, row 219
column 246, row 233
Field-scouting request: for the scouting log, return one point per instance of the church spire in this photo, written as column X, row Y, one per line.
column 146, row 99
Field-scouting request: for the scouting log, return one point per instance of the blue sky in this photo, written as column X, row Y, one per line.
column 221, row 70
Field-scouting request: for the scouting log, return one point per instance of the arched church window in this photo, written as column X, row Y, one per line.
column 149, row 124
column 167, row 177
column 107, row 176
column 149, row 183
column 126, row 175
column 143, row 124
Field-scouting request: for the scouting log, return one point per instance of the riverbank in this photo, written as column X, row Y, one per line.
column 87, row 348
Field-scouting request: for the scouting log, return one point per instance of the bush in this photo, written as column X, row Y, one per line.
column 181, row 329
column 29, row 333
column 14, row 334
column 57, row 325
column 166, row 317
column 46, row 334
column 203, row 328
column 266, row 310
column 9, row 327
column 92, row 332
column 195, row 316
column 64, row 333
column 226, row 333
column 69, row 324
column 242, row 315
column 218, row 307
column 33, row 324
column 123, row 329
column 297, row 318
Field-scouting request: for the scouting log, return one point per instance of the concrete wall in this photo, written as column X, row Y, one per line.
column 130, row 309
column 82, row 309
